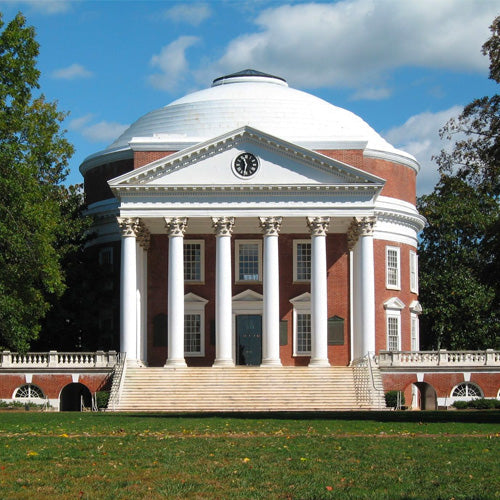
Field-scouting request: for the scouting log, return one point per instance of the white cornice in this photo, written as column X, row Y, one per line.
column 106, row 156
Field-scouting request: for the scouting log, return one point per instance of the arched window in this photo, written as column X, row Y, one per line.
column 467, row 390
column 29, row 391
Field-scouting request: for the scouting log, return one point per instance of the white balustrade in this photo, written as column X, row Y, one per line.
column 61, row 360
column 417, row 359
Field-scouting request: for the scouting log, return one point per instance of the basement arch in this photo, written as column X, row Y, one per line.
column 426, row 397
column 74, row 396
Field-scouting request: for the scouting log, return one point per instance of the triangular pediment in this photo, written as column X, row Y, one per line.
column 394, row 303
column 248, row 296
column 212, row 164
column 303, row 298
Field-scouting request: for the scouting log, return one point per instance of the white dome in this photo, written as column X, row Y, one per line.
column 261, row 101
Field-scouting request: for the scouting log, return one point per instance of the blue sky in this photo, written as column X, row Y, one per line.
column 403, row 66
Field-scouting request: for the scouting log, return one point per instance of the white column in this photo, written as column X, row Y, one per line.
column 142, row 320
column 128, row 287
column 223, row 227
column 271, row 287
column 176, row 227
column 319, row 302
column 366, row 273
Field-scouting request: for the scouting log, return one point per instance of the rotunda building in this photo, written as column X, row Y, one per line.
column 252, row 224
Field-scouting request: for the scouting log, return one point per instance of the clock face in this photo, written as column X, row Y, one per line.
column 246, row 164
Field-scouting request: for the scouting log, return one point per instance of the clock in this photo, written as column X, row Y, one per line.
column 245, row 165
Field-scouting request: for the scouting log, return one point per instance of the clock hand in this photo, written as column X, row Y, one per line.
column 246, row 165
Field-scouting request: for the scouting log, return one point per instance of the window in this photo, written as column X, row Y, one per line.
column 413, row 272
column 302, row 325
column 302, row 260
column 392, row 332
column 414, row 332
column 194, row 261
column 304, row 333
column 194, row 325
column 192, row 334
column 467, row 390
column 248, row 261
column 106, row 257
column 392, row 267
column 29, row 391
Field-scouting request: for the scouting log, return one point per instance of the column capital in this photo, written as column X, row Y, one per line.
column 366, row 225
column 176, row 226
column 360, row 226
column 318, row 225
column 143, row 236
column 223, row 226
column 129, row 226
column 270, row 225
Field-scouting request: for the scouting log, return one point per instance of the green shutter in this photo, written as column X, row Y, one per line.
column 335, row 331
column 284, row 332
column 212, row 332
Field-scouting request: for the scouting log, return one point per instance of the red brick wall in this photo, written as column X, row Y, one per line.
column 338, row 297
column 95, row 180
column 51, row 384
column 400, row 180
column 382, row 293
column 142, row 158
column 352, row 157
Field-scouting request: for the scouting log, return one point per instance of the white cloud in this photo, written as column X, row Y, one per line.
column 353, row 43
column 72, row 72
column 371, row 94
column 45, row 6
column 102, row 131
column 193, row 14
column 172, row 63
column 419, row 135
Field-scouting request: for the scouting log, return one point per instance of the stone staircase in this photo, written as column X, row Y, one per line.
column 243, row 389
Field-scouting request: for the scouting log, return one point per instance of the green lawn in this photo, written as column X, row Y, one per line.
column 350, row 455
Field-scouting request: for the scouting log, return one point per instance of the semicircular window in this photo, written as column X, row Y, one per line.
column 467, row 390
column 29, row 391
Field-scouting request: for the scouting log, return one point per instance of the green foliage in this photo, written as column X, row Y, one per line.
column 460, row 248
column 478, row 404
column 33, row 164
column 391, row 399
column 102, row 398
column 460, row 405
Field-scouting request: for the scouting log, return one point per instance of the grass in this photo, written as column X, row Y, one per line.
column 390, row 455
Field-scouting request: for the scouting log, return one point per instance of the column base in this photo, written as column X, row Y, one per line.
column 271, row 362
column 318, row 363
column 175, row 363
column 223, row 363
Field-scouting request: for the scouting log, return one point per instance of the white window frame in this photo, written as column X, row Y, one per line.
column 414, row 332
column 413, row 271
column 393, row 315
column 393, row 308
column 202, row 261
column 397, row 284
column 301, row 305
column 296, row 243
column 237, row 246
column 194, row 304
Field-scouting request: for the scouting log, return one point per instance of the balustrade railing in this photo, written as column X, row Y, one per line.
column 54, row 359
column 441, row 358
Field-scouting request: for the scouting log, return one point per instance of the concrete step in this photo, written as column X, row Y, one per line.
column 240, row 389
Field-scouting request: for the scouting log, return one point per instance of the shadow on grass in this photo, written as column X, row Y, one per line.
column 476, row 416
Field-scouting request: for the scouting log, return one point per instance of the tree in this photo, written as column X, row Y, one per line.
column 33, row 164
column 460, row 248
